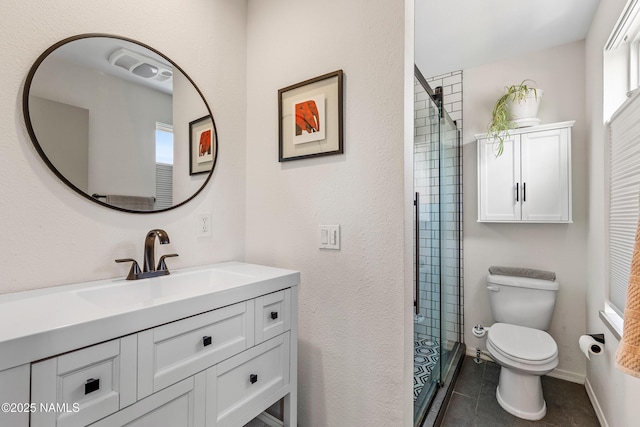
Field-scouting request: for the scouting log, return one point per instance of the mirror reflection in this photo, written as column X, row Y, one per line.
column 120, row 123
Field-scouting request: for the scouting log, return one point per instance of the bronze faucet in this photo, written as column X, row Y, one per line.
column 149, row 269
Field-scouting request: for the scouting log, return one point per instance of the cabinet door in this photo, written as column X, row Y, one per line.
column 182, row 404
column 546, row 173
column 14, row 389
column 498, row 181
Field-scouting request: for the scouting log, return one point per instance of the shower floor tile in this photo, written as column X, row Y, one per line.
column 425, row 356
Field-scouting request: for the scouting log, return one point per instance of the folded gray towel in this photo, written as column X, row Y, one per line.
column 134, row 203
column 522, row 272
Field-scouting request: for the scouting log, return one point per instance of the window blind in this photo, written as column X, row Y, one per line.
column 624, row 191
column 164, row 186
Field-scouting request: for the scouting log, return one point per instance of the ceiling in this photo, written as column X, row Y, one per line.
column 452, row 35
column 94, row 53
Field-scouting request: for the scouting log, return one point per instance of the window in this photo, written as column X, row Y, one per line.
column 164, row 166
column 621, row 59
column 621, row 109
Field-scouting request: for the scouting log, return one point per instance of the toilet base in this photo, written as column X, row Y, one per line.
column 520, row 394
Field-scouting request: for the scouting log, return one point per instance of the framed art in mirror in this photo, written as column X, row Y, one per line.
column 202, row 145
column 311, row 117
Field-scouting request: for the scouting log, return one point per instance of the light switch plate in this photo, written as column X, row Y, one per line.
column 329, row 237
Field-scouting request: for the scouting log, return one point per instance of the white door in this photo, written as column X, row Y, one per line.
column 499, row 190
column 545, row 176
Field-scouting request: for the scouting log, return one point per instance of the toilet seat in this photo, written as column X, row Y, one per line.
column 521, row 344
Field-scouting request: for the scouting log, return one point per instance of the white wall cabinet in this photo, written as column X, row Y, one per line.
column 531, row 180
column 214, row 368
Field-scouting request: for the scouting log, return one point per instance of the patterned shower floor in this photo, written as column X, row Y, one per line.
column 425, row 356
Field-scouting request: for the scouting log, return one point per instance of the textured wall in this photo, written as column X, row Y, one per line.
column 352, row 313
column 51, row 235
column 556, row 247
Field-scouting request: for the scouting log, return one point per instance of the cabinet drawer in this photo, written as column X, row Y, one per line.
column 172, row 352
column 273, row 315
column 247, row 383
column 180, row 405
column 78, row 388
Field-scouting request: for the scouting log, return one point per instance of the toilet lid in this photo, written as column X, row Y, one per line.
column 522, row 343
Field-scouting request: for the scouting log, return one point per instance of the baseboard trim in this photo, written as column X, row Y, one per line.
column 573, row 377
column 596, row 405
column 561, row 374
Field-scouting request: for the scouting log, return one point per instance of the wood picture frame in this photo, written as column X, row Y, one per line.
column 203, row 145
column 311, row 118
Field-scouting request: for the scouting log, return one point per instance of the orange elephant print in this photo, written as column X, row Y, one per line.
column 307, row 118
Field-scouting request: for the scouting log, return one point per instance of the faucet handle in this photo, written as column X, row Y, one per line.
column 135, row 268
column 162, row 265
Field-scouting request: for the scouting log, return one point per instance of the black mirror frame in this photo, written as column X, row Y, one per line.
column 38, row 147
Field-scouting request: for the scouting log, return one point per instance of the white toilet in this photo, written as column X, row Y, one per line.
column 522, row 309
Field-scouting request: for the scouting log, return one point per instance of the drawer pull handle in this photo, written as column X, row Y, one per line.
column 206, row 341
column 274, row 315
column 253, row 378
column 91, row 385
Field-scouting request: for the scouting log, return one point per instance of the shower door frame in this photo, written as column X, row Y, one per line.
column 445, row 377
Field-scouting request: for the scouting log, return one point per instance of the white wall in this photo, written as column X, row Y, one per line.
column 50, row 234
column 557, row 247
column 614, row 393
column 187, row 107
column 352, row 301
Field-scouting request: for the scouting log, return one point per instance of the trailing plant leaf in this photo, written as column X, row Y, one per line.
column 500, row 123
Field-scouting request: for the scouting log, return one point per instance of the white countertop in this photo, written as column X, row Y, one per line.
column 44, row 322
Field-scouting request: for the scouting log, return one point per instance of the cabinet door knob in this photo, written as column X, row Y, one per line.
column 524, row 191
column 206, row 341
column 91, row 385
column 274, row 315
column 253, row 378
column 517, row 191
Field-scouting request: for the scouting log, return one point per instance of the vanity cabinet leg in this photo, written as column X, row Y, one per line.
column 290, row 415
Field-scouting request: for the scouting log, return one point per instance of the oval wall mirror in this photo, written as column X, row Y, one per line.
column 120, row 123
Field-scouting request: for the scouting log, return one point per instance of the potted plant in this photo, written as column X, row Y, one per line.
column 518, row 107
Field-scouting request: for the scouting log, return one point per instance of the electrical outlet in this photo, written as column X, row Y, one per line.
column 203, row 224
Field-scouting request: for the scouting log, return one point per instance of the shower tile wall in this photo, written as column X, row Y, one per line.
column 433, row 264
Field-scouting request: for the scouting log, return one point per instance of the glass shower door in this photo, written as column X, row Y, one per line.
column 427, row 325
column 450, row 202
column 437, row 179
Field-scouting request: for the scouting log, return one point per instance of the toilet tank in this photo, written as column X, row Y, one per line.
column 522, row 301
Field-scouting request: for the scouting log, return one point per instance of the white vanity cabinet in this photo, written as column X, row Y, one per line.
column 531, row 180
column 220, row 367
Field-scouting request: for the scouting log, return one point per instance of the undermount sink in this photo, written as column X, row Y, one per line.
column 149, row 291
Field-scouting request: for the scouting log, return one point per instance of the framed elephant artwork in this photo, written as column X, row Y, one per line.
column 311, row 117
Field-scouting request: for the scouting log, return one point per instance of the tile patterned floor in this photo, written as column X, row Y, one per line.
column 425, row 356
column 473, row 402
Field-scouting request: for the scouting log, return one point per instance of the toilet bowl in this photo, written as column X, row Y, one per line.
column 524, row 354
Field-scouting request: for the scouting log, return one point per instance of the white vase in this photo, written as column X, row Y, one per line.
column 524, row 112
